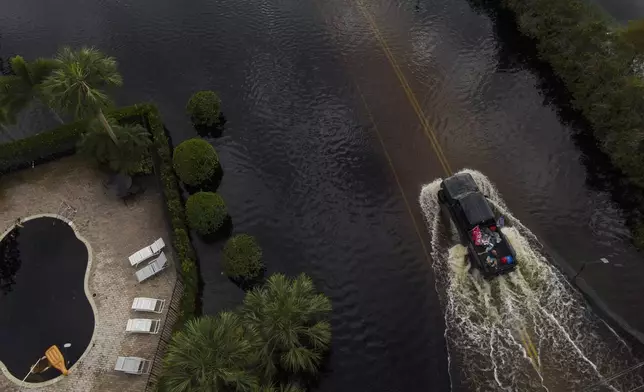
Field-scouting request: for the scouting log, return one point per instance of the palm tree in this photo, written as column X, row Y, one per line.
column 211, row 354
column 124, row 157
column 22, row 87
column 77, row 85
column 279, row 388
column 290, row 320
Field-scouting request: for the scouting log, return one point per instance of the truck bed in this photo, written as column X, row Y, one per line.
column 495, row 253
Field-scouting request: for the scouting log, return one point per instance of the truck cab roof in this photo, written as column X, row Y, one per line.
column 462, row 190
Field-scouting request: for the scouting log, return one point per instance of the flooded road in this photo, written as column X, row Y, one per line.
column 623, row 10
column 338, row 112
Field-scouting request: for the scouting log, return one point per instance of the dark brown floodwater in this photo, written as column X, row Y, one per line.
column 305, row 170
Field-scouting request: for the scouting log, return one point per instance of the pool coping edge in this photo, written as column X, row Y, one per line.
column 90, row 258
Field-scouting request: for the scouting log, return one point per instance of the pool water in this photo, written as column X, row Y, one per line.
column 42, row 297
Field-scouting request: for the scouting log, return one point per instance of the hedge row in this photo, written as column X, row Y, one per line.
column 600, row 70
column 187, row 259
column 596, row 64
column 62, row 141
column 43, row 147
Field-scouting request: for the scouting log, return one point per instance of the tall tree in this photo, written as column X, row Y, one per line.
column 78, row 85
column 290, row 320
column 124, row 157
column 279, row 388
column 211, row 354
column 20, row 88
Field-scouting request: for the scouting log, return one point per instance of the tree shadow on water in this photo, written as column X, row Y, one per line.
column 248, row 284
column 518, row 52
column 209, row 186
column 213, row 131
column 224, row 231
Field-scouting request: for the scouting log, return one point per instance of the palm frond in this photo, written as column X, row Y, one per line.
column 40, row 69
column 20, row 68
column 289, row 317
column 210, row 354
column 133, row 144
column 290, row 387
column 17, row 91
column 77, row 83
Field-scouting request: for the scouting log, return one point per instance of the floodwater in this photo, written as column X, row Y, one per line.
column 623, row 10
column 42, row 296
column 324, row 153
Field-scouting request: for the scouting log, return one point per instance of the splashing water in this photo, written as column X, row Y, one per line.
column 529, row 330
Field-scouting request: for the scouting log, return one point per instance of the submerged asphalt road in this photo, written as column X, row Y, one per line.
column 338, row 112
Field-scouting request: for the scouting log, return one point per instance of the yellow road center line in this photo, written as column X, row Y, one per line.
column 525, row 337
column 393, row 170
column 533, row 348
column 390, row 162
column 526, row 341
column 407, row 89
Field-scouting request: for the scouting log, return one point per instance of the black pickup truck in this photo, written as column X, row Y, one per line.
column 489, row 250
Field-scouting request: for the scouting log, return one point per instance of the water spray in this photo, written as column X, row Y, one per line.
column 529, row 330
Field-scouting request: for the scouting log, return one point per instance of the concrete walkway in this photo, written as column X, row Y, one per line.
column 113, row 230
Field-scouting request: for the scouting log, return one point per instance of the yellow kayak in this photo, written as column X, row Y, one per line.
column 56, row 359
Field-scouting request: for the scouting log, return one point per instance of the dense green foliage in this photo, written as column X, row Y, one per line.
column 23, row 86
column 204, row 108
column 600, row 66
column 148, row 115
column 274, row 344
column 78, row 84
column 242, row 257
column 125, row 156
column 41, row 147
column 206, row 212
column 196, row 162
column 290, row 319
column 211, row 354
column 63, row 140
column 279, row 388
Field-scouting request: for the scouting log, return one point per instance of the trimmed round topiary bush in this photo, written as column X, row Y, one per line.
column 206, row 212
column 196, row 162
column 242, row 257
column 204, row 109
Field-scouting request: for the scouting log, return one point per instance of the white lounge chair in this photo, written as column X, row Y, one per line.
column 143, row 304
column 143, row 326
column 147, row 252
column 132, row 365
column 157, row 265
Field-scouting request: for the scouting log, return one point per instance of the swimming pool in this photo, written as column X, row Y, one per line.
column 42, row 295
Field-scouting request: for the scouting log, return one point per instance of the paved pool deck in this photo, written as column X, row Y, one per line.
column 113, row 230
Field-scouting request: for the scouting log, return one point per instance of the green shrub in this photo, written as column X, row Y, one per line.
column 289, row 316
column 595, row 62
column 204, row 108
column 242, row 257
column 42, row 147
column 196, row 162
column 600, row 65
column 206, row 212
column 128, row 156
column 62, row 141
